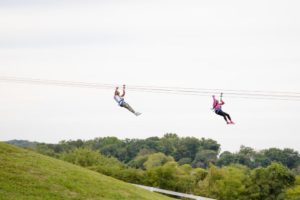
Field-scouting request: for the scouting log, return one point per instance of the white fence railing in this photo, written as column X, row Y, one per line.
column 178, row 194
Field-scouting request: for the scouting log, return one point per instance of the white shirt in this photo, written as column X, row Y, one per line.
column 119, row 100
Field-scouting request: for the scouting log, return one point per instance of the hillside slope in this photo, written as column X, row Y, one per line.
column 28, row 175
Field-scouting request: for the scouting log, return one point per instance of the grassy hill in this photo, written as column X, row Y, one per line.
column 28, row 175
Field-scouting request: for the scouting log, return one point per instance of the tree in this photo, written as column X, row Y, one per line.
column 156, row 160
column 45, row 149
column 207, row 187
column 183, row 161
column 83, row 157
column 199, row 174
column 287, row 157
column 168, row 143
column 204, row 157
column 210, row 144
column 246, row 156
column 138, row 162
column 232, row 184
column 226, row 158
column 270, row 183
column 294, row 192
column 187, row 148
column 261, row 160
column 227, row 183
column 163, row 176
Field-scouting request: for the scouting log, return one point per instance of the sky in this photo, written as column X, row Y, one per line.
column 241, row 45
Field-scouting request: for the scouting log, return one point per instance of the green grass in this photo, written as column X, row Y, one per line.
column 28, row 175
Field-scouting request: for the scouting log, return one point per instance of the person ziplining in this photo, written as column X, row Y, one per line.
column 217, row 107
column 120, row 100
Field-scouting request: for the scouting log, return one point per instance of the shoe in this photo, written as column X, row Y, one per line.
column 231, row 122
column 137, row 114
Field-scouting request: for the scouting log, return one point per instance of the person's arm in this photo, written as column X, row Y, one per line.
column 116, row 91
column 214, row 101
column 123, row 91
column 221, row 100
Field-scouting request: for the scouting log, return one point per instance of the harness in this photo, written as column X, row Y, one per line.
column 119, row 100
column 217, row 111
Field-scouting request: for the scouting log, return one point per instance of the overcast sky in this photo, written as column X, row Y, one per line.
column 243, row 45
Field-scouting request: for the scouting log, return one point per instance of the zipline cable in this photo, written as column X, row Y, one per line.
column 246, row 94
column 219, row 91
column 226, row 90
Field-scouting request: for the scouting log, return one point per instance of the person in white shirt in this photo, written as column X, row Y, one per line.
column 120, row 100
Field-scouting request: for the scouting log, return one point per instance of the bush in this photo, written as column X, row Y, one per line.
column 82, row 156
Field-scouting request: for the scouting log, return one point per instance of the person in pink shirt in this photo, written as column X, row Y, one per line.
column 217, row 107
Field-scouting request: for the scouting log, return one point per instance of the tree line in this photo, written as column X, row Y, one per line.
column 187, row 164
column 184, row 150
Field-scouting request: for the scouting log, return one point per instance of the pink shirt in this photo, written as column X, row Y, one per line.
column 217, row 105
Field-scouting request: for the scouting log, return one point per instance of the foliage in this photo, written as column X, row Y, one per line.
column 183, row 161
column 188, row 165
column 225, row 183
column 82, row 157
column 156, row 160
column 269, row 183
column 253, row 159
column 23, row 143
column 184, row 150
column 293, row 193
column 239, row 182
column 204, row 158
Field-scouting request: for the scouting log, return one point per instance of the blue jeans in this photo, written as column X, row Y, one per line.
column 223, row 114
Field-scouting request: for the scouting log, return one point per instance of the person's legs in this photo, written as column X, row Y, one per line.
column 229, row 118
column 221, row 113
column 227, row 115
column 128, row 107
